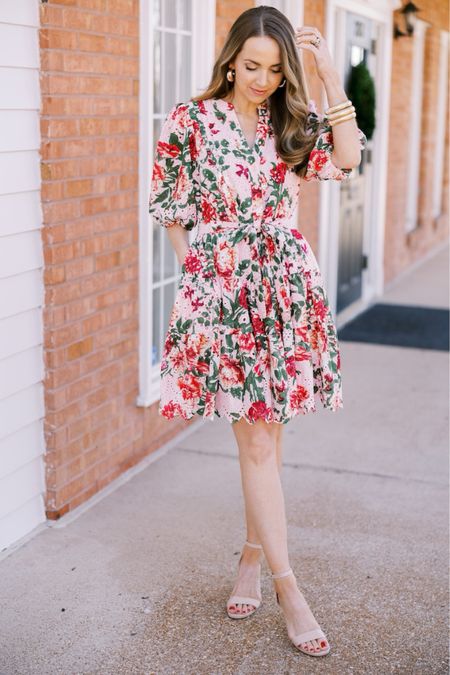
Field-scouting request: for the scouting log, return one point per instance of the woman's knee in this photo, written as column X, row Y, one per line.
column 258, row 442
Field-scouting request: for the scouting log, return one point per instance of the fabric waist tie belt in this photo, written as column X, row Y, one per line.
column 267, row 226
column 263, row 274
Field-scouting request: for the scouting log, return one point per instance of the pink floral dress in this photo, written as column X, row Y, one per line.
column 251, row 333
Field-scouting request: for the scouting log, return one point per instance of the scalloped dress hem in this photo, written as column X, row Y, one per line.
column 177, row 412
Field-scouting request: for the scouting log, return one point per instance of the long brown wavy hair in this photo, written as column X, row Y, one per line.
column 289, row 104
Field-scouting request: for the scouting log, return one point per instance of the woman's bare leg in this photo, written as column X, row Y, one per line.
column 252, row 557
column 251, row 529
column 264, row 503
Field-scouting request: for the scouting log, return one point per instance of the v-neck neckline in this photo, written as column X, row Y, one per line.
column 262, row 110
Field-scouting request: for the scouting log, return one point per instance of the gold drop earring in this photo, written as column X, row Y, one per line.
column 231, row 75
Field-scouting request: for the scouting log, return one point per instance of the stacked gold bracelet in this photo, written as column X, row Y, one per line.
column 340, row 112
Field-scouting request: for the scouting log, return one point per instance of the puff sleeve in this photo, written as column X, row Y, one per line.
column 173, row 191
column 320, row 166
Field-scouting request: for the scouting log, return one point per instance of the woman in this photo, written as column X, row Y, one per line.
column 251, row 336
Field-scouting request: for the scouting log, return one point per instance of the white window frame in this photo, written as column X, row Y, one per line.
column 203, row 33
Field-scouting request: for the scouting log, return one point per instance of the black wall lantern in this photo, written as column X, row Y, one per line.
column 409, row 11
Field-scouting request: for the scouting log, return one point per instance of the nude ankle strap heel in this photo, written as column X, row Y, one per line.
column 314, row 634
column 245, row 600
column 280, row 575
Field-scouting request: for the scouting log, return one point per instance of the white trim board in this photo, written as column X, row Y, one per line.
column 441, row 121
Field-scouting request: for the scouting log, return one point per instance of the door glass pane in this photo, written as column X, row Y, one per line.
column 184, row 14
column 170, row 75
column 356, row 55
column 156, row 12
column 169, row 13
column 168, row 300
column 157, row 103
column 169, row 259
column 157, row 243
column 156, row 336
column 185, row 67
column 157, row 124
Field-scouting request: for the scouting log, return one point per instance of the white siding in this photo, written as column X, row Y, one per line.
column 22, row 446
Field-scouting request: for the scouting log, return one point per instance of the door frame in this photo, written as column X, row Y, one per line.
column 374, row 225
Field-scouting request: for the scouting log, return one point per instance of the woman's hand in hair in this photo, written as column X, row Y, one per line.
column 305, row 36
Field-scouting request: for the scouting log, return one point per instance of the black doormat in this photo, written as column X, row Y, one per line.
column 400, row 325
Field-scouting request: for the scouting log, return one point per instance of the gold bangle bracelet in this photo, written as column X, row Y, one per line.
column 343, row 119
column 337, row 107
column 341, row 113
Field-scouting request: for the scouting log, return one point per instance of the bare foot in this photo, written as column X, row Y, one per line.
column 299, row 618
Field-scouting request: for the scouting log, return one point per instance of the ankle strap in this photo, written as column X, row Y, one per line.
column 253, row 545
column 280, row 575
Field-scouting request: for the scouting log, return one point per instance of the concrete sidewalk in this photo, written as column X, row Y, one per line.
column 137, row 583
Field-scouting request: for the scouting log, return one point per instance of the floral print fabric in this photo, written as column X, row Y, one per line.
column 251, row 333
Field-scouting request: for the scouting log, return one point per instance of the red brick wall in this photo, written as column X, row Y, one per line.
column 402, row 249
column 89, row 164
column 227, row 11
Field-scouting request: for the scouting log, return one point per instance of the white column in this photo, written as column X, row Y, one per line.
column 415, row 122
column 441, row 117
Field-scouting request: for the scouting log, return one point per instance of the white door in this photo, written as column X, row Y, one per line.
column 360, row 47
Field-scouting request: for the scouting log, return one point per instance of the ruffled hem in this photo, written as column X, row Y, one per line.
column 231, row 417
